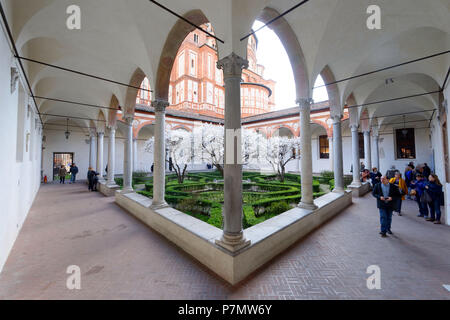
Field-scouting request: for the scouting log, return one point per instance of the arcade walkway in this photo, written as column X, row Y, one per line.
column 122, row 259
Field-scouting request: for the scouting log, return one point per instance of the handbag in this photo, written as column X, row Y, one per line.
column 426, row 197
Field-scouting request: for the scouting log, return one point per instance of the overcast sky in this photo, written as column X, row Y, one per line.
column 273, row 56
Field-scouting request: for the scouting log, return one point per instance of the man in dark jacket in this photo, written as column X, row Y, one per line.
column 385, row 193
column 92, row 179
column 73, row 172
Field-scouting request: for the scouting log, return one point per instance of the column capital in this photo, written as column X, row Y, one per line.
column 128, row 118
column 304, row 102
column 354, row 127
column 366, row 131
column 112, row 127
column 232, row 65
column 160, row 105
column 336, row 118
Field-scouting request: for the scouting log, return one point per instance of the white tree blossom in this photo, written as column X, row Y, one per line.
column 279, row 151
column 179, row 146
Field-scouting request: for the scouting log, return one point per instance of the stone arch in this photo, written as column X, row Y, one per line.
column 333, row 91
column 182, row 127
column 284, row 130
column 323, row 124
column 112, row 114
column 130, row 99
column 173, row 42
column 142, row 125
column 293, row 49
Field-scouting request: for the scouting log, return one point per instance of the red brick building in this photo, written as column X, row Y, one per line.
column 196, row 85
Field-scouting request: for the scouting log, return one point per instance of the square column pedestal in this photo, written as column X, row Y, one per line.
column 359, row 191
column 107, row 190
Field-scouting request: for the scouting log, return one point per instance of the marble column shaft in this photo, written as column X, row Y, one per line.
column 111, row 156
column 338, row 157
column 307, row 201
column 159, row 154
column 128, row 155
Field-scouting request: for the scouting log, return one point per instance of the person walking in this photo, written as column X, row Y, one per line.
column 386, row 194
column 419, row 186
column 434, row 188
column 402, row 188
column 73, row 172
column 62, row 174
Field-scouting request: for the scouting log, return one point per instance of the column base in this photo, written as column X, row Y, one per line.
column 158, row 206
column 338, row 190
column 127, row 190
column 355, row 185
column 307, row 206
column 233, row 243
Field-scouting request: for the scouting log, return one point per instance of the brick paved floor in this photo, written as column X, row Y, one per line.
column 120, row 258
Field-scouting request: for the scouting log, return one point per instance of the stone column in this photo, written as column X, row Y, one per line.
column 367, row 151
column 355, row 156
column 307, row 201
column 111, row 156
column 128, row 155
column 135, row 155
column 233, row 237
column 376, row 160
column 159, row 155
column 338, row 157
column 330, row 147
column 92, row 151
column 100, row 139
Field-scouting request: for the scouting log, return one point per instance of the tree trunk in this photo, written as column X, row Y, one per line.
column 220, row 168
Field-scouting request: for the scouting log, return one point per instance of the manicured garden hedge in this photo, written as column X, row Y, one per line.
column 201, row 195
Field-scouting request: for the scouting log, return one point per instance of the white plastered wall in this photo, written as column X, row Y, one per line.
column 19, row 170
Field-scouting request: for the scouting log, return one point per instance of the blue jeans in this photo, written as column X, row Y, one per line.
column 385, row 220
column 423, row 207
column 73, row 177
column 398, row 205
column 435, row 209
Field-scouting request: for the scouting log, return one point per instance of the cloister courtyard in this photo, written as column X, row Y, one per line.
column 224, row 150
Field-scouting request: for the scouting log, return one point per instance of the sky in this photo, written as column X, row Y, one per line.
column 272, row 55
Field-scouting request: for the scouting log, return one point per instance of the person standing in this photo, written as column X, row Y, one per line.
column 419, row 186
column 73, row 172
column 92, row 179
column 375, row 176
column 408, row 179
column 402, row 188
column 385, row 193
column 62, row 174
column 426, row 170
column 434, row 188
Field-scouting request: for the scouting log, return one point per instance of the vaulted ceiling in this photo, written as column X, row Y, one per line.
column 125, row 39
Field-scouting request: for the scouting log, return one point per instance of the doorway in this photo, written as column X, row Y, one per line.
column 59, row 159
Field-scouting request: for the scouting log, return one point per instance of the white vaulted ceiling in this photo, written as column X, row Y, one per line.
column 118, row 37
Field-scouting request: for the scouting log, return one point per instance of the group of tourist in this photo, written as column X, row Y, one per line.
column 92, row 176
column 391, row 189
column 63, row 172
